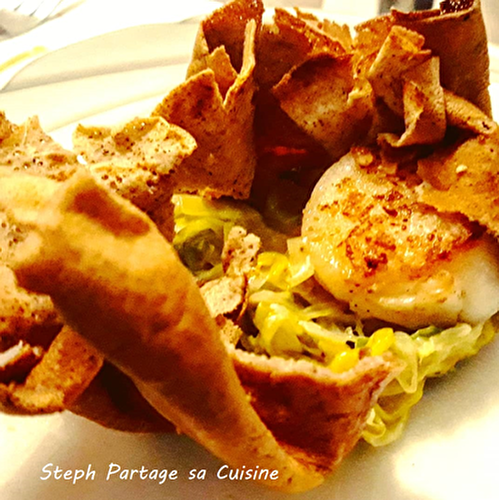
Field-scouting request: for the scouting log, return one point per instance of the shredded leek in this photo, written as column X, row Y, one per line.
column 202, row 225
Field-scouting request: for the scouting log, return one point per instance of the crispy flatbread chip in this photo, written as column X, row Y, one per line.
column 17, row 362
column 138, row 161
column 401, row 51
column 227, row 296
column 313, row 413
column 424, row 107
column 225, row 29
column 133, row 299
column 464, row 178
column 28, row 149
column 24, row 316
column 465, row 115
column 291, row 39
column 149, row 142
column 217, row 111
column 283, row 144
column 323, row 97
column 59, row 378
column 113, row 401
column 456, row 34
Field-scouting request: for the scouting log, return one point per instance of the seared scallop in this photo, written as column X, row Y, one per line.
column 390, row 257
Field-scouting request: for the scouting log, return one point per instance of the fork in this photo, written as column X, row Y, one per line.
column 18, row 16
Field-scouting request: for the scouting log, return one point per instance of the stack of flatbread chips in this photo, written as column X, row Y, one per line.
column 99, row 316
column 215, row 103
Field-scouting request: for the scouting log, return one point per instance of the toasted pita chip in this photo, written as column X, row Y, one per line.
column 22, row 196
column 401, row 51
column 289, row 42
column 147, row 142
column 138, row 161
column 225, row 28
column 456, row 34
column 224, row 162
column 113, row 401
column 227, row 296
column 17, row 362
column 464, row 178
column 225, row 74
column 338, row 32
column 323, row 97
column 424, row 107
column 465, row 115
column 27, row 148
column 60, row 377
column 308, row 31
column 282, row 144
column 132, row 298
column 312, row 412
column 24, row 316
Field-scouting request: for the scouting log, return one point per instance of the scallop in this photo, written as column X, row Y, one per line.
column 375, row 246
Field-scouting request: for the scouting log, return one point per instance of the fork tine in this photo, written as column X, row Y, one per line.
column 27, row 7
column 46, row 8
column 11, row 4
column 40, row 9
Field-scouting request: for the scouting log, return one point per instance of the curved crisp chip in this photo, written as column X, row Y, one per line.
column 456, row 34
column 225, row 28
column 312, row 412
column 113, row 401
column 424, row 107
column 323, row 97
column 27, row 148
column 58, row 379
column 464, row 178
column 215, row 104
column 26, row 316
column 138, row 160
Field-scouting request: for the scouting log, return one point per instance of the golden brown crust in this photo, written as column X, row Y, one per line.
column 113, row 401
column 225, row 27
column 218, row 115
column 138, row 161
column 456, row 34
column 60, row 377
column 466, row 116
column 325, row 100
column 312, row 412
column 464, row 178
column 28, row 149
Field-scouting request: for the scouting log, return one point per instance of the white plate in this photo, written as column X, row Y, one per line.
column 449, row 451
